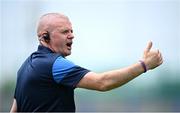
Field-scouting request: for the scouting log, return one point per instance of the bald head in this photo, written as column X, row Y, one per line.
column 55, row 32
column 49, row 21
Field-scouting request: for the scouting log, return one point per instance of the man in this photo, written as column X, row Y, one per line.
column 46, row 80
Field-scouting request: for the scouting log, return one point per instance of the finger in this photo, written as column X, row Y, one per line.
column 160, row 62
column 148, row 48
column 160, row 55
column 160, row 59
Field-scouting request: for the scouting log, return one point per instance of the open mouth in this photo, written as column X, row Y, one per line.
column 69, row 44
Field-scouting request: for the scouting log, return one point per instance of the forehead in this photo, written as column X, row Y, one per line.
column 62, row 24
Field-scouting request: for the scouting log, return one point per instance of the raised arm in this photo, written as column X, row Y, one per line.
column 112, row 79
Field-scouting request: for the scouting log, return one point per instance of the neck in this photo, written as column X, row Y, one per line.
column 47, row 45
column 50, row 47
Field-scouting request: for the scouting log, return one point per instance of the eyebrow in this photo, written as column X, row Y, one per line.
column 64, row 29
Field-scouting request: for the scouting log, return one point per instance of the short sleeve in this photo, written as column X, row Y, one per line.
column 67, row 73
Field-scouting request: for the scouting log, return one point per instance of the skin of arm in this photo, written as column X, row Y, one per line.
column 112, row 79
column 14, row 106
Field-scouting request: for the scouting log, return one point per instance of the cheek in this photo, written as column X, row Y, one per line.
column 58, row 41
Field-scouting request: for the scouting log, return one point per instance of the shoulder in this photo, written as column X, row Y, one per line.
column 63, row 63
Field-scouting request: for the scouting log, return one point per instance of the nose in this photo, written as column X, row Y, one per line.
column 70, row 36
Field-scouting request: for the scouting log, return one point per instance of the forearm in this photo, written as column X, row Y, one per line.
column 113, row 79
column 116, row 78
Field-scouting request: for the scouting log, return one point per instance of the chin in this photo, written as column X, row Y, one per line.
column 67, row 54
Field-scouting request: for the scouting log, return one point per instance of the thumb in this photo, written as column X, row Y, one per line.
column 148, row 48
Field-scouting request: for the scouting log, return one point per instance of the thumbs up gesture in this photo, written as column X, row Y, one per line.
column 152, row 58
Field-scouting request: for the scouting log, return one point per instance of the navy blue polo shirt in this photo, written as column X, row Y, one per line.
column 46, row 82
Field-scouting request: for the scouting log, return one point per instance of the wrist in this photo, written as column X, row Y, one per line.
column 144, row 66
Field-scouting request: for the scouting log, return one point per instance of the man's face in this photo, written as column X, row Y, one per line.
column 62, row 37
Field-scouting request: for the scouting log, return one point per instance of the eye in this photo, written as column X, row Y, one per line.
column 65, row 31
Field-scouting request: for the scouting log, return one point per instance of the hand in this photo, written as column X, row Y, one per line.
column 152, row 58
